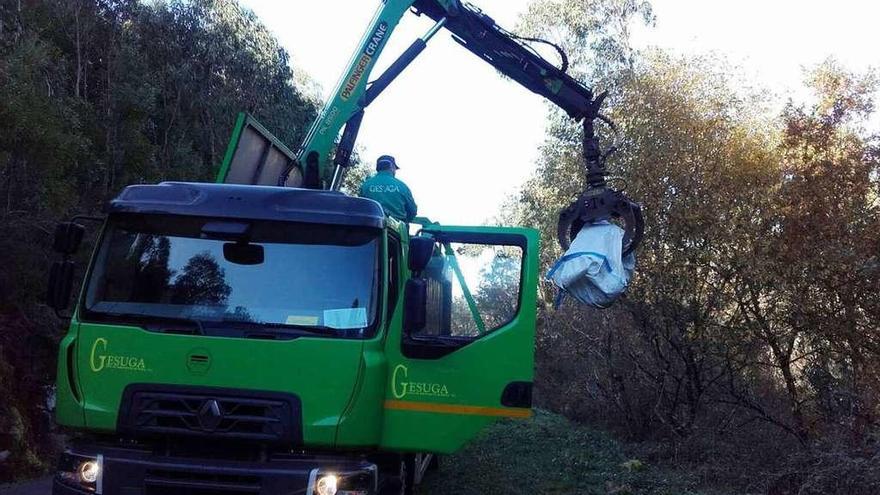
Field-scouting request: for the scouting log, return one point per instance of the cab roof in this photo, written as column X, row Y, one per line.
column 249, row 202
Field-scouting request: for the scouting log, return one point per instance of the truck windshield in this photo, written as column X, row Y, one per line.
column 306, row 278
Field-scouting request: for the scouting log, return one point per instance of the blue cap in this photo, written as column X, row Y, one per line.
column 386, row 162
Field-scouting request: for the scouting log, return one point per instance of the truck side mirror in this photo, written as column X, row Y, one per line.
column 420, row 251
column 68, row 237
column 60, row 285
column 415, row 305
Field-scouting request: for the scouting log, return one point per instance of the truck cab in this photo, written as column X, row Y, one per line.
column 261, row 339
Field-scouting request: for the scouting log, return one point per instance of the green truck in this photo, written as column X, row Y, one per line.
column 257, row 339
column 267, row 334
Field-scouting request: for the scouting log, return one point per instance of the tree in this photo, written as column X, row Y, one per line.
column 813, row 294
column 595, row 35
column 201, row 282
column 754, row 307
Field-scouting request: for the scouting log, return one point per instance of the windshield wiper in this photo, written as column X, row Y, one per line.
column 320, row 330
column 157, row 319
column 317, row 330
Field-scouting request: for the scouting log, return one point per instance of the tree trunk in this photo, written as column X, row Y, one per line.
column 110, row 131
column 79, row 64
column 783, row 361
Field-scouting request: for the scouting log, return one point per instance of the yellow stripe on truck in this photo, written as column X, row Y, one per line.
column 405, row 405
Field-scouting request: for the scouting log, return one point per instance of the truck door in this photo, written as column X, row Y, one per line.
column 473, row 361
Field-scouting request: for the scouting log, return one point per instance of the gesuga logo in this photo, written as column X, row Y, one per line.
column 401, row 386
column 390, row 188
column 100, row 359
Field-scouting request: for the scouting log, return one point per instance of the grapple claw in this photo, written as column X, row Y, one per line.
column 598, row 202
column 595, row 205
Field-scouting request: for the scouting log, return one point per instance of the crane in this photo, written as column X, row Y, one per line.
column 325, row 154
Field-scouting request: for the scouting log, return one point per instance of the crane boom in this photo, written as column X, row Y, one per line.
column 470, row 27
column 324, row 155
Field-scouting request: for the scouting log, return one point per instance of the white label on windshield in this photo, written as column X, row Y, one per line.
column 302, row 320
column 345, row 318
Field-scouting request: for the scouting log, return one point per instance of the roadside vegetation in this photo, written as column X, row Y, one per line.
column 549, row 454
column 747, row 345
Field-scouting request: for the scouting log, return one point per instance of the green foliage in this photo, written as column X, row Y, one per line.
column 119, row 92
column 355, row 176
column 594, row 34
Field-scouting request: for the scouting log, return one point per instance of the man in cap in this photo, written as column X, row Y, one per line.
column 394, row 196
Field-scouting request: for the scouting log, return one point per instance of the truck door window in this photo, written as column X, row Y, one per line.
column 472, row 289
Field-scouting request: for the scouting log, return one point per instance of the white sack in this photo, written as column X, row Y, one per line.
column 593, row 270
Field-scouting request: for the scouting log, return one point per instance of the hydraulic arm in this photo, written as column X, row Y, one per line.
column 324, row 155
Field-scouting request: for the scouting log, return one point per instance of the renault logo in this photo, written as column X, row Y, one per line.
column 210, row 415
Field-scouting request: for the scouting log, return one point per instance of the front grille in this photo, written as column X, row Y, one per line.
column 168, row 482
column 167, row 490
column 214, row 413
column 171, row 413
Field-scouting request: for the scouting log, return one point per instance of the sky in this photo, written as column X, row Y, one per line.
column 466, row 139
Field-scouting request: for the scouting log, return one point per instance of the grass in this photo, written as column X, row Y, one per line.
column 550, row 455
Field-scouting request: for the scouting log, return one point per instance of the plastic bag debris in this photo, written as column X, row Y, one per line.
column 593, row 270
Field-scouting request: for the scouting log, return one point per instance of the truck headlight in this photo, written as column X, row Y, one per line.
column 90, row 471
column 83, row 472
column 354, row 482
column 326, row 484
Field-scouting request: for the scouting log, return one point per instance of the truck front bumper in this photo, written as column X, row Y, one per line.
column 132, row 471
